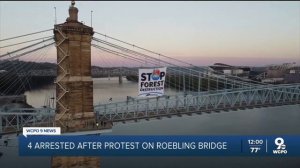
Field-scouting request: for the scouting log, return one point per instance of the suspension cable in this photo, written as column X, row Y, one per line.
column 135, row 53
column 134, row 58
column 26, row 35
column 13, row 80
column 153, row 52
column 29, row 46
column 125, row 56
column 26, row 41
column 141, row 61
column 17, row 56
column 6, row 61
column 150, row 51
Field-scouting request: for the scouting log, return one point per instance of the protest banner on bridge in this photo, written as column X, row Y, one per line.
column 151, row 82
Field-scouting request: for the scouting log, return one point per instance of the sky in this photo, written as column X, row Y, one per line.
column 199, row 32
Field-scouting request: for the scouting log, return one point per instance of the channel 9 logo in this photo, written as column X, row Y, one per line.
column 281, row 147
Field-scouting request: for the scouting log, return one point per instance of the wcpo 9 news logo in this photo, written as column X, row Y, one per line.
column 281, row 147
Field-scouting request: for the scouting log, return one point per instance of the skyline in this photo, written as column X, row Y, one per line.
column 202, row 33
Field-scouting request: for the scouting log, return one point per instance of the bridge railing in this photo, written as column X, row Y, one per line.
column 12, row 120
column 144, row 108
column 175, row 105
column 295, row 87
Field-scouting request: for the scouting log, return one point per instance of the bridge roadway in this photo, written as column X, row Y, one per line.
column 166, row 106
column 196, row 103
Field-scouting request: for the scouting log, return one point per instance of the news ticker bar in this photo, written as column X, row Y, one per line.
column 110, row 145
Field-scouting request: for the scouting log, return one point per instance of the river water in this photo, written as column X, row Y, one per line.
column 104, row 89
column 283, row 120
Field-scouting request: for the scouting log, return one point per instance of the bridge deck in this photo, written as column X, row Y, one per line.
column 185, row 104
column 166, row 106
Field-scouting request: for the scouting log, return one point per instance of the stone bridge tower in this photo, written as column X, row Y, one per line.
column 74, row 85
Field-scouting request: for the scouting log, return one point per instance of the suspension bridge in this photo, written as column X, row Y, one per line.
column 198, row 89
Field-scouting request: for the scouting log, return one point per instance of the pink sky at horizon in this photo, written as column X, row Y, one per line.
column 201, row 33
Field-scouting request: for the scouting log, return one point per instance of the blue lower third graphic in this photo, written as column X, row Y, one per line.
column 109, row 145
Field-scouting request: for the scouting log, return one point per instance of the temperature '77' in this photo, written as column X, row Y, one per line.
column 254, row 149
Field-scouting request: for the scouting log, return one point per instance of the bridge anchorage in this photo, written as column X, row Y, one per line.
column 199, row 89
